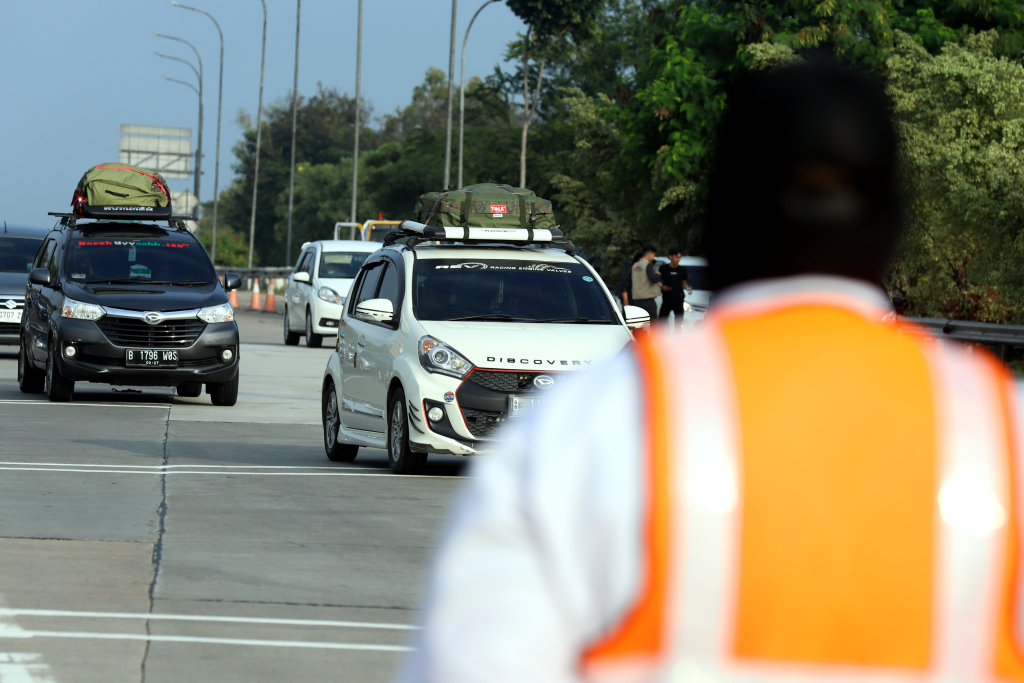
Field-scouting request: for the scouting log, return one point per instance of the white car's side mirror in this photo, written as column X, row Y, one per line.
column 301, row 277
column 377, row 310
column 636, row 317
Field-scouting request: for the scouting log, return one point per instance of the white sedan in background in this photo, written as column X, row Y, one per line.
column 316, row 289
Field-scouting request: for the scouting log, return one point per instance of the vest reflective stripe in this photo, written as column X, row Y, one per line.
column 971, row 618
column 640, row 639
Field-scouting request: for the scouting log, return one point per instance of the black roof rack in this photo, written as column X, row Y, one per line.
column 163, row 215
column 411, row 233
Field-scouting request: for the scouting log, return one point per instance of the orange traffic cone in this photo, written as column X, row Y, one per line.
column 254, row 303
column 270, row 306
column 233, row 299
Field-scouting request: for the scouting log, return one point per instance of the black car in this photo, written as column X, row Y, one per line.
column 18, row 247
column 127, row 303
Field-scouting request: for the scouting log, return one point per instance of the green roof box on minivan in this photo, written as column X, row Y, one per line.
column 486, row 205
column 120, row 185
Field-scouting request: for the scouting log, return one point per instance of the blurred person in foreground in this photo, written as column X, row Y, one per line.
column 797, row 491
column 673, row 284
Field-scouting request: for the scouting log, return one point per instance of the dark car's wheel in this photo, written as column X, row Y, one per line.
column 30, row 380
column 400, row 456
column 190, row 389
column 312, row 340
column 224, row 393
column 290, row 338
column 336, row 452
column 57, row 388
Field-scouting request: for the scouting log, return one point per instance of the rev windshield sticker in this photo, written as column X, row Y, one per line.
column 587, row 278
column 506, row 266
column 132, row 245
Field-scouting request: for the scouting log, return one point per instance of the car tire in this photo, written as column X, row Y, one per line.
column 336, row 452
column 30, row 380
column 223, row 393
column 313, row 341
column 190, row 389
column 56, row 387
column 290, row 338
column 400, row 457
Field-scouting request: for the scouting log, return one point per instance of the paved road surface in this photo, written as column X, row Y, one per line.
column 147, row 537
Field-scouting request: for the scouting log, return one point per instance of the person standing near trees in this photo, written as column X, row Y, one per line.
column 673, row 283
column 646, row 282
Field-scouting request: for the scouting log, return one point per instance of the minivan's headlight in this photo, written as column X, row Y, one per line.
column 436, row 356
column 328, row 294
column 217, row 314
column 80, row 311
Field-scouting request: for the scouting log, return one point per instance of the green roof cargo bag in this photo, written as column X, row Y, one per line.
column 486, row 205
column 120, row 185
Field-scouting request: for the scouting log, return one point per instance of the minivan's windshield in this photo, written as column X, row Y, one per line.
column 17, row 253
column 508, row 291
column 129, row 258
column 340, row 264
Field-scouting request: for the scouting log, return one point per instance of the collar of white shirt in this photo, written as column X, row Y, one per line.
column 857, row 295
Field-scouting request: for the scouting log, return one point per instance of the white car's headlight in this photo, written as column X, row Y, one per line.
column 436, row 356
column 80, row 311
column 217, row 314
column 328, row 294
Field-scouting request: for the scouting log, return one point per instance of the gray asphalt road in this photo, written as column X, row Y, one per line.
column 147, row 537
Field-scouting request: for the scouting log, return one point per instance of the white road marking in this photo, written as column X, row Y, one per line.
column 23, row 667
column 149, row 616
column 16, row 402
column 235, row 472
column 219, row 641
column 163, row 467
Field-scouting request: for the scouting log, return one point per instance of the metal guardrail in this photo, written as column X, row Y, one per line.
column 1001, row 338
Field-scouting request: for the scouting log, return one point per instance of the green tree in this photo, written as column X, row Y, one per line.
column 961, row 117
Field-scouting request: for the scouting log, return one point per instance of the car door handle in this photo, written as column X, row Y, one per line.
column 362, row 343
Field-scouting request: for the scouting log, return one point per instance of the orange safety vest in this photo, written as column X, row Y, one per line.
column 827, row 498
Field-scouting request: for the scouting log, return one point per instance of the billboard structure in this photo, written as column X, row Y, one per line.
column 168, row 151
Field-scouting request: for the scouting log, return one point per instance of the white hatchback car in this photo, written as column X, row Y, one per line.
column 441, row 344
column 316, row 289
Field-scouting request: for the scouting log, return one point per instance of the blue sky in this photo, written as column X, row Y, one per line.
column 73, row 71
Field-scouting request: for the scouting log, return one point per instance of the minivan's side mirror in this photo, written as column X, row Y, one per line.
column 376, row 310
column 232, row 281
column 301, row 276
column 636, row 317
column 39, row 276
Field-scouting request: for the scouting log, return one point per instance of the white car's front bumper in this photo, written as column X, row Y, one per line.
column 325, row 315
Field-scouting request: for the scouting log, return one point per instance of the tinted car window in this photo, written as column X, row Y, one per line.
column 17, row 253
column 43, row 257
column 166, row 258
column 368, row 286
column 449, row 289
column 389, row 285
column 341, row 263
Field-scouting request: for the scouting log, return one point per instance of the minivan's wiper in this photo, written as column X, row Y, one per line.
column 189, row 283
column 13, row 270
column 577, row 321
column 128, row 281
column 493, row 317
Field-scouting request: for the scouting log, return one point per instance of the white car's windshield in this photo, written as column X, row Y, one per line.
column 508, row 291
column 341, row 264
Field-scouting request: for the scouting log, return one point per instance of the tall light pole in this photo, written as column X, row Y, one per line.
column 295, row 113
column 199, row 140
column 194, row 89
column 220, row 97
column 451, row 98
column 462, row 85
column 259, row 132
column 355, row 154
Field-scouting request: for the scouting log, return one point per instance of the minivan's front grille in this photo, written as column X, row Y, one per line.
column 10, row 328
column 169, row 334
column 504, row 381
